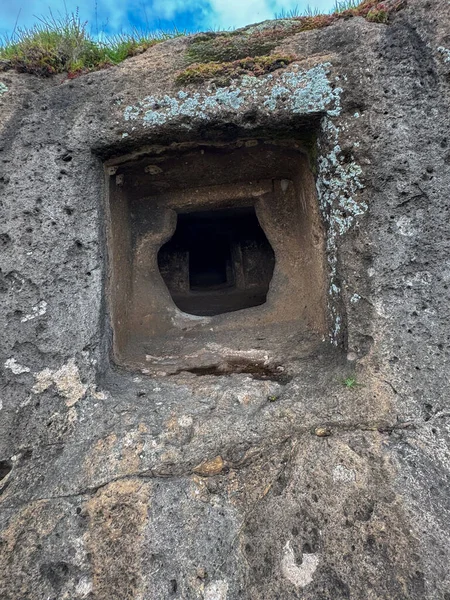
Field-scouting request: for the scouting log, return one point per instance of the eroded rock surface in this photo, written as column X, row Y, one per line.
column 319, row 470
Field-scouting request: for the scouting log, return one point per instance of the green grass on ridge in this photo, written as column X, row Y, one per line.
column 63, row 45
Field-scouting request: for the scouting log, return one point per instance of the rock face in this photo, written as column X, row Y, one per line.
column 294, row 449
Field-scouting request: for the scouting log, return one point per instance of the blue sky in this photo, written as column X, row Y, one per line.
column 114, row 16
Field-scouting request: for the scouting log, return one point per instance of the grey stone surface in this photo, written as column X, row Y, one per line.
column 225, row 487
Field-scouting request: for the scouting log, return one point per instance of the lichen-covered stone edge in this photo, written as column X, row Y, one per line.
column 293, row 92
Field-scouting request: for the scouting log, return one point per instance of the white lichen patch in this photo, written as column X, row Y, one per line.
column 405, row 227
column 355, row 298
column 336, row 329
column 343, row 475
column 185, row 421
column 36, row 311
column 84, row 587
column 298, row 575
column 15, row 367
column 3, row 88
column 445, row 53
column 295, row 91
column 98, row 394
column 338, row 183
column 216, row 590
column 66, row 379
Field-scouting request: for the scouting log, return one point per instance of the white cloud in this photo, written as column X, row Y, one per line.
column 226, row 14
column 170, row 9
column 236, row 13
column 115, row 15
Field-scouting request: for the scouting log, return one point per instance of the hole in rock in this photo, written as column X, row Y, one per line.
column 217, row 261
column 5, row 468
column 217, row 250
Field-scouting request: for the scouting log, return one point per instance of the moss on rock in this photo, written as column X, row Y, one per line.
column 260, row 40
column 223, row 73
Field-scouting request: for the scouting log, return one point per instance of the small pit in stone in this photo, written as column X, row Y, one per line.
column 217, row 261
column 5, row 468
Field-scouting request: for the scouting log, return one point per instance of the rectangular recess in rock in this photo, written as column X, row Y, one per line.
column 212, row 247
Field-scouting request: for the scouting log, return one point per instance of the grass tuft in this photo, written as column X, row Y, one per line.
column 351, row 383
column 341, row 6
column 63, row 45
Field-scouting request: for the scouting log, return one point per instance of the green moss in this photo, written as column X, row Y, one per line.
column 262, row 39
column 241, row 44
column 223, row 73
column 377, row 16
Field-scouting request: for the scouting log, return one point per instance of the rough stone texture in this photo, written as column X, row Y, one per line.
column 119, row 485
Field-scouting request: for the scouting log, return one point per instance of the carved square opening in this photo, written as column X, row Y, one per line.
column 213, row 247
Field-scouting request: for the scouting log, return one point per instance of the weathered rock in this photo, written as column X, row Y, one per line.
column 225, row 484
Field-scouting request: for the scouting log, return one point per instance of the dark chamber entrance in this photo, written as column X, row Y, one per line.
column 217, row 261
column 210, row 264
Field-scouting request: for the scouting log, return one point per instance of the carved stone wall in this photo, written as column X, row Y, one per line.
column 295, row 448
column 150, row 197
